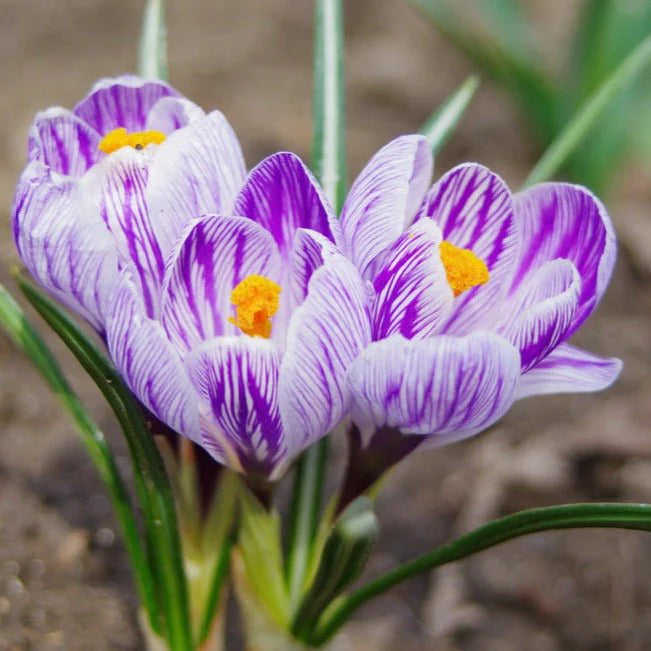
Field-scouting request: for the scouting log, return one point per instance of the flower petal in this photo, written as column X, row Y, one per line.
column 237, row 380
column 118, row 186
column 326, row 333
column 213, row 256
column 569, row 370
column 63, row 142
column 282, row 196
column 172, row 113
column 474, row 209
column 62, row 242
column 121, row 102
column 413, row 296
column 559, row 220
column 447, row 387
column 148, row 362
column 538, row 316
column 384, row 198
column 197, row 171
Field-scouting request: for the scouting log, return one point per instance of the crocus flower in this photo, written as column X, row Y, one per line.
column 474, row 293
column 222, row 298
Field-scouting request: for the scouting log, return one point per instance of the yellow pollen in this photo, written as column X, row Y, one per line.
column 464, row 270
column 256, row 301
column 120, row 137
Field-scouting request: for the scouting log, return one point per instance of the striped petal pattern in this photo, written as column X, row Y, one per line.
column 558, row 220
column 474, row 209
column 445, row 386
column 215, row 254
column 384, row 198
column 121, row 102
column 237, row 380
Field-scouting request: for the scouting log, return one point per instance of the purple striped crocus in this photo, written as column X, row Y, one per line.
column 474, row 293
column 236, row 331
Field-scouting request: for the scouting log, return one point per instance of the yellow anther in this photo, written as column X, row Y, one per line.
column 120, row 137
column 256, row 301
column 464, row 270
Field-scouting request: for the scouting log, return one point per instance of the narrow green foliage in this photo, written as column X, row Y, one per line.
column 328, row 145
column 152, row 484
column 344, row 556
column 578, row 127
column 568, row 516
column 21, row 332
column 152, row 52
column 441, row 124
column 261, row 547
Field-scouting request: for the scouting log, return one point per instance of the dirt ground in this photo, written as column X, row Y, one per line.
column 64, row 579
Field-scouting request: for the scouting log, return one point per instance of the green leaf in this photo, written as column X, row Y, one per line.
column 579, row 126
column 21, row 332
column 151, row 481
column 261, row 548
column 152, row 53
column 443, row 121
column 328, row 145
column 344, row 556
column 220, row 571
column 535, row 93
column 567, row 516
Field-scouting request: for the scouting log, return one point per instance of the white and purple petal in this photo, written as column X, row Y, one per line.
column 63, row 242
column 63, row 142
column 474, row 209
column 282, row 195
column 172, row 113
column 569, row 370
column 148, row 362
column 237, row 381
column 384, row 199
column 212, row 257
column 445, row 387
column 198, row 170
column 118, row 187
column 559, row 220
column 412, row 294
column 121, row 102
column 538, row 316
column 326, row 333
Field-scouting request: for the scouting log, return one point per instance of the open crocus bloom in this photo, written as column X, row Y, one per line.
column 113, row 182
column 474, row 292
column 235, row 331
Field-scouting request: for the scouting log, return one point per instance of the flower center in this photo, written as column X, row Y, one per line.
column 464, row 270
column 256, row 301
column 120, row 137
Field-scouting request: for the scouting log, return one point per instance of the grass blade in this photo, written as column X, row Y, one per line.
column 568, row 516
column 152, row 484
column 152, row 52
column 328, row 145
column 442, row 122
column 577, row 128
column 21, row 332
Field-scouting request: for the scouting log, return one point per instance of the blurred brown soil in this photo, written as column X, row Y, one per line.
column 64, row 579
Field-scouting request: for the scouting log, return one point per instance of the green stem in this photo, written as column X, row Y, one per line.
column 304, row 512
column 577, row 128
column 622, row 516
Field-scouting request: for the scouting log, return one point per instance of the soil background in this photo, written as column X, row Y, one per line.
column 64, row 578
